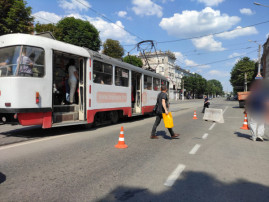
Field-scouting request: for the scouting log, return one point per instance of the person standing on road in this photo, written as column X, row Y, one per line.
column 206, row 103
column 256, row 108
column 163, row 106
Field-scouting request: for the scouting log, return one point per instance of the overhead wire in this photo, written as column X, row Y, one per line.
column 106, row 18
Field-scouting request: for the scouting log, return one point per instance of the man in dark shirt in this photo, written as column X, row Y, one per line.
column 163, row 106
column 206, row 103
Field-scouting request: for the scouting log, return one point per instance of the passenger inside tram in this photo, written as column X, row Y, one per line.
column 26, row 64
column 62, row 80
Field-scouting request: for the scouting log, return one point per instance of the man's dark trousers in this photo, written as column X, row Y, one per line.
column 157, row 122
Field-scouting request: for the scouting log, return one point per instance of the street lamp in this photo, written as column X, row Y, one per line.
column 259, row 76
column 258, row 4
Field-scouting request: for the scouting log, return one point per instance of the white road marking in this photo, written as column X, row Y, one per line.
column 30, row 142
column 174, row 175
column 195, row 149
column 205, row 136
column 211, row 127
column 225, row 109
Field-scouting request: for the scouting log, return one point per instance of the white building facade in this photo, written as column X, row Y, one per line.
column 164, row 63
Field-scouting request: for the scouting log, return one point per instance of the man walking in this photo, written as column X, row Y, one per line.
column 163, row 106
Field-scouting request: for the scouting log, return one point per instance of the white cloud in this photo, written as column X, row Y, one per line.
column 179, row 56
column 122, row 14
column 112, row 31
column 45, row 17
column 207, row 43
column 235, row 55
column 71, row 5
column 76, row 15
column 195, row 23
column 191, row 63
column 219, row 73
column 146, row 7
column 246, row 11
column 211, row 2
column 164, row 1
column 239, row 31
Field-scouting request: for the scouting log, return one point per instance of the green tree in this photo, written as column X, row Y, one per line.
column 78, row 32
column 39, row 28
column 15, row 17
column 214, row 87
column 237, row 80
column 134, row 60
column 113, row 48
column 195, row 84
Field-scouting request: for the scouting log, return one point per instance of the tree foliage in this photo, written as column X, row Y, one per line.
column 214, row 87
column 39, row 28
column 237, row 80
column 134, row 60
column 113, row 48
column 197, row 85
column 15, row 17
column 78, row 32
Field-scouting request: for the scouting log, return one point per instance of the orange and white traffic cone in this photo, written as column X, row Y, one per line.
column 245, row 124
column 121, row 144
column 194, row 115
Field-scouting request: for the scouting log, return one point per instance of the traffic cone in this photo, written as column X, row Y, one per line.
column 194, row 115
column 245, row 124
column 121, row 144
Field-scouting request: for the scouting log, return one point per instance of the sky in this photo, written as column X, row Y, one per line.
column 207, row 36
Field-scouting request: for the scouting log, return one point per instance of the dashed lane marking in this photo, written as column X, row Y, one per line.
column 205, row 136
column 195, row 149
column 174, row 175
column 211, row 127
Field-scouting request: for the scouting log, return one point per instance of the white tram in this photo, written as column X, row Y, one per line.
column 107, row 89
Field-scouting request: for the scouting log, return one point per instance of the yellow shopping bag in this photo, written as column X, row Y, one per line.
column 168, row 120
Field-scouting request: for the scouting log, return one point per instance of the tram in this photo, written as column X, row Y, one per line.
column 34, row 87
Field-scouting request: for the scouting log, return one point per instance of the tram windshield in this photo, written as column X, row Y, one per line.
column 26, row 61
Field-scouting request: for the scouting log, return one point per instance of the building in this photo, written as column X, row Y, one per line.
column 164, row 64
column 265, row 59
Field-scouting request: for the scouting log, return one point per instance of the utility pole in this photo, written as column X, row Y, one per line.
column 182, row 89
column 246, row 83
column 259, row 76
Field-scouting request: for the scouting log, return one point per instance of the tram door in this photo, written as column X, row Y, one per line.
column 136, row 92
column 81, row 86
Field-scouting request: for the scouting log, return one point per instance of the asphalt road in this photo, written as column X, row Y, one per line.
column 209, row 162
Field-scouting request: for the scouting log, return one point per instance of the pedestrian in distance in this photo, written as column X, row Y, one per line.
column 206, row 103
column 256, row 107
column 163, row 106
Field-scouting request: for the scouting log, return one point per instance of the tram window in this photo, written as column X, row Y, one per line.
column 156, row 84
column 102, row 73
column 121, row 77
column 22, row 61
column 163, row 83
column 147, row 82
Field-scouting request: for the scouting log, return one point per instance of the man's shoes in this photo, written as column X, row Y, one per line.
column 253, row 139
column 154, row 137
column 260, row 138
column 174, row 136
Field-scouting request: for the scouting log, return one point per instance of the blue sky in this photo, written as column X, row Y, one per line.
column 172, row 20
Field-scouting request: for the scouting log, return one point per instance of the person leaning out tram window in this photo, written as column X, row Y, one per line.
column 73, row 78
column 26, row 65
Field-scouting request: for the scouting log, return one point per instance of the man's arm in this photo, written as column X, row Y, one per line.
column 164, row 106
